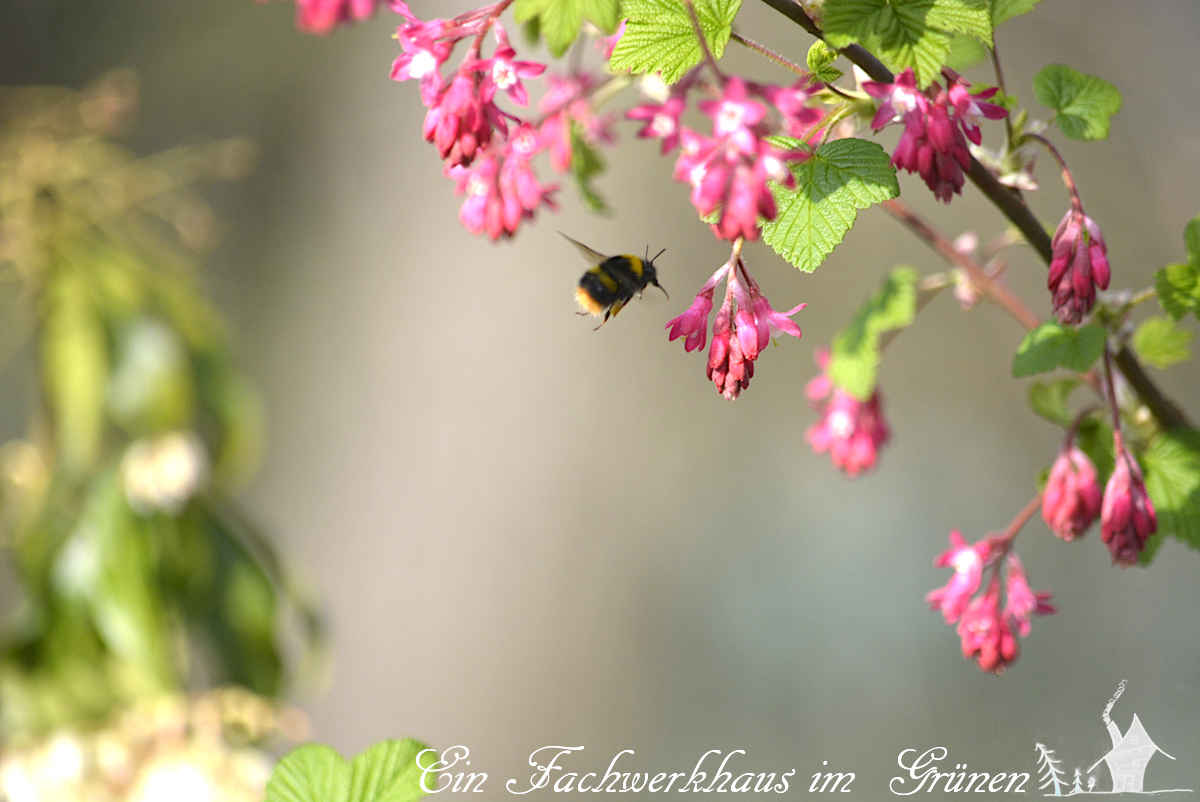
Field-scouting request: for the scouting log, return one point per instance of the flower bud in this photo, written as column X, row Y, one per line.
column 1127, row 516
column 1071, row 501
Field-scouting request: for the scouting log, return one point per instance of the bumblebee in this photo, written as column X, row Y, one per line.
column 612, row 282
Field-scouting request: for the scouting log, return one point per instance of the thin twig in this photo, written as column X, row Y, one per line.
column 1005, row 539
column 763, row 50
column 699, row 31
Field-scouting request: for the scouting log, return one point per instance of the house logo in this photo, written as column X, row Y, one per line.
column 1125, row 763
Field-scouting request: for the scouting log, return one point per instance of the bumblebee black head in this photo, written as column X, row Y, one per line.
column 651, row 273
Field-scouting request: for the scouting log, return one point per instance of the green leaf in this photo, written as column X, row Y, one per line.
column 1085, row 103
column 1053, row 345
column 75, row 368
column 1171, row 464
column 842, row 177
column 906, row 33
column 1191, row 239
column 659, row 36
column 965, row 52
column 1004, row 10
column 559, row 21
column 586, row 165
column 1049, row 399
column 310, row 773
column 820, row 60
column 389, row 771
column 854, row 358
column 1095, row 439
column 1178, row 288
column 1162, row 343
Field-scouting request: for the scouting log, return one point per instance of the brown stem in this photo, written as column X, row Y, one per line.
column 1165, row 410
column 995, row 52
column 699, row 31
column 1004, row 540
column 1068, row 179
column 763, row 50
column 993, row 289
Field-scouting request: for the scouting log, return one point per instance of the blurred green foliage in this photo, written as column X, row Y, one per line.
column 139, row 573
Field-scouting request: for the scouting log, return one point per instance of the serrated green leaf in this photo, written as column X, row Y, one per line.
column 1191, row 239
column 1162, row 343
column 310, row 773
column 841, row 178
column 965, row 52
column 1178, row 289
column 820, row 60
column 659, row 36
column 586, row 165
column 1053, row 345
column 1085, row 103
column 1049, row 400
column 906, row 33
column 1004, row 10
column 1171, row 464
column 854, row 355
column 389, row 771
column 559, row 21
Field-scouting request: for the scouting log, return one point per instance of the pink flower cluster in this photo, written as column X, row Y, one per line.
column 1079, row 265
column 850, row 430
column 728, row 171
column 488, row 152
column 742, row 328
column 988, row 631
column 1127, row 517
column 938, row 123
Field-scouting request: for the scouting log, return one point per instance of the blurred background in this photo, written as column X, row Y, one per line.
column 524, row 532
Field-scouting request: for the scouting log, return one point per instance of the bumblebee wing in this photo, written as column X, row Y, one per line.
column 593, row 257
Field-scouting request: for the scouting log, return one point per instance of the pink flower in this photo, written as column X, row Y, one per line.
column 1079, row 265
column 741, row 330
column 422, row 58
column 661, row 121
column 322, row 16
column 968, row 561
column 728, row 172
column 986, row 632
column 566, row 102
column 937, row 125
column 1071, row 500
column 798, row 119
column 1021, row 602
column 504, row 72
column 459, row 122
column 501, row 191
column 850, row 430
column 1127, row 517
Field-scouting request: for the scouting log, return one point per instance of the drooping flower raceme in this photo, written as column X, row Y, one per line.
column 1071, row 500
column 851, row 431
column 987, row 630
column 1079, row 265
column 1127, row 517
column 741, row 330
column 938, row 123
column 322, row 16
column 488, row 151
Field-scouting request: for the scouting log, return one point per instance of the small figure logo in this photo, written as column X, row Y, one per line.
column 1126, row 760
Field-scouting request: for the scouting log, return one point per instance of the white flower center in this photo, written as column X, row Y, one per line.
column 773, row 167
column 730, row 117
column 662, row 124
column 903, row 100
column 423, row 63
column 696, row 175
column 477, row 187
column 841, row 424
column 965, row 561
column 503, row 74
